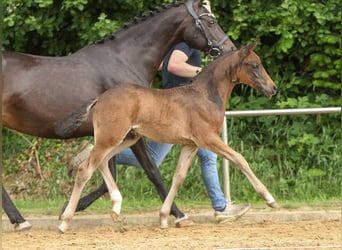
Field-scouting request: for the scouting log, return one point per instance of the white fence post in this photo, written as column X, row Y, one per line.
column 305, row 111
column 225, row 164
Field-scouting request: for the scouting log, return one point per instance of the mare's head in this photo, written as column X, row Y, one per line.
column 205, row 33
column 252, row 72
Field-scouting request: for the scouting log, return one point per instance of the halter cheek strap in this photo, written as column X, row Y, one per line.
column 215, row 49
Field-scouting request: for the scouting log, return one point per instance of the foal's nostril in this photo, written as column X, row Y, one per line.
column 275, row 88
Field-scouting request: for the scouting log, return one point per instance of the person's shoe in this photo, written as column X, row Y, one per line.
column 231, row 213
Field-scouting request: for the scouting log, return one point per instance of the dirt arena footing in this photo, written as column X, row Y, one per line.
column 197, row 215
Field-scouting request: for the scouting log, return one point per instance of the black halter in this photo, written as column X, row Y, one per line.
column 214, row 49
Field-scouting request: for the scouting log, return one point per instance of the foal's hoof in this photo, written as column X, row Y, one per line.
column 22, row 227
column 62, row 228
column 184, row 222
column 115, row 216
column 273, row 204
column 163, row 225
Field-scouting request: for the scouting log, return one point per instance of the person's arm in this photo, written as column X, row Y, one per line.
column 178, row 66
column 160, row 66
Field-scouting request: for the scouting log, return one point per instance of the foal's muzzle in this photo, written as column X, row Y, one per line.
column 269, row 92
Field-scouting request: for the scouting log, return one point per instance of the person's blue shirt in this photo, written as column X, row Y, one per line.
column 195, row 59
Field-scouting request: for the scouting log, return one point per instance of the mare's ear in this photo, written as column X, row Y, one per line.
column 206, row 4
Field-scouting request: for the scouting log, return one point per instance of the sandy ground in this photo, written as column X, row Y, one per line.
column 253, row 231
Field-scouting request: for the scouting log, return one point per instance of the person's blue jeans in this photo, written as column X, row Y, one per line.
column 208, row 161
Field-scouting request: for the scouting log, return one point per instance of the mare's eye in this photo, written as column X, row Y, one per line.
column 210, row 21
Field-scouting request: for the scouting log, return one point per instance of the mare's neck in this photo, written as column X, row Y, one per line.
column 142, row 46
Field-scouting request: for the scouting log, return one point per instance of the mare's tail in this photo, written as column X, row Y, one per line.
column 68, row 125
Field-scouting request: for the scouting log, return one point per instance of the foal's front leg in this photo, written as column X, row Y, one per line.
column 216, row 145
column 140, row 149
column 186, row 155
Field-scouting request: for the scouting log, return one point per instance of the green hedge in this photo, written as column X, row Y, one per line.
column 300, row 40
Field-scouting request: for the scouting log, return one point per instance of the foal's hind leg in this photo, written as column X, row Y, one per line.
column 84, row 173
column 100, row 155
column 87, row 200
column 216, row 145
column 113, row 190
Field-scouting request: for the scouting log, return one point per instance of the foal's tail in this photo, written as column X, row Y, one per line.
column 68, row 125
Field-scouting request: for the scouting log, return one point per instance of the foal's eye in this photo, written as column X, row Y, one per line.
column 254, row 65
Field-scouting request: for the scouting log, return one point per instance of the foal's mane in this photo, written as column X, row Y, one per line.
column 211, row 66
column 143, row 17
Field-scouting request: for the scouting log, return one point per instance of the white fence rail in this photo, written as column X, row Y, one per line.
column 305, row 111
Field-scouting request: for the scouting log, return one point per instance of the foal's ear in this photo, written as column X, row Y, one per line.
column 248, row 48
column 252, row 45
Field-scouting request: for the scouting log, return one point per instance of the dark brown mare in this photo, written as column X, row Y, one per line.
column 39, row 91
column 190, row 115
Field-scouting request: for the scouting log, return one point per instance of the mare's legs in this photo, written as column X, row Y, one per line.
column 186, row 155
column 13, row 214
column 215, row 144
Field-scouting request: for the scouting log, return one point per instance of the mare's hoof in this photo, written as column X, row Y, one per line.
column 184, row 222
column 22, row 227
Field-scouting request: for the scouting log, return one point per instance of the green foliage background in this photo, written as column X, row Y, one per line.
column 297, row 157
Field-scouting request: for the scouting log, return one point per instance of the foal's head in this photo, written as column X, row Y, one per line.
column 253, row 73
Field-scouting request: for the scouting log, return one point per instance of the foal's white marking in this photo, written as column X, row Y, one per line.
column 117, row 198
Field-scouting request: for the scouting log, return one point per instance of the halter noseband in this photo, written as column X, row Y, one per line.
column 215, row 49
